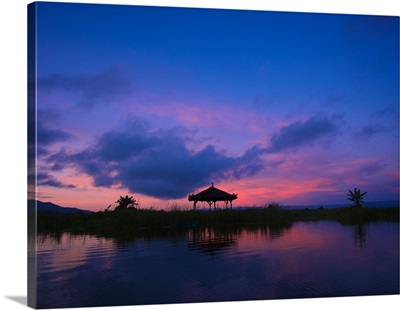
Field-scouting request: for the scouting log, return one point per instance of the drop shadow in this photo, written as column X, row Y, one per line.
column 23, row 300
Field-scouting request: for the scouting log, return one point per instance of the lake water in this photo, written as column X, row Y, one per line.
column 305, row 259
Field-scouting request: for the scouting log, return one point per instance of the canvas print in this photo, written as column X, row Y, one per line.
column 183, row 155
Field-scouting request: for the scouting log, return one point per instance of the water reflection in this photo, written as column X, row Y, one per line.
column 126, row 238
column 359, row 233
column 360, row 236
column 306, row 259
column 208, row 240
column 214, row 241
column 211, row 241
column 271, row 231
column 53, row 237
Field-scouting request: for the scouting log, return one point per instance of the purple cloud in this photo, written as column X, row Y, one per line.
column 155, row 163
column 160, row 164
column 89, row 88
column 40, row 137
column 370, row 130
column 298, row 134
column 48, row 180
column 46, row 135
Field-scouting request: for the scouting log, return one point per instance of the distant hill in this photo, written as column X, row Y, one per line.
column 51, row 207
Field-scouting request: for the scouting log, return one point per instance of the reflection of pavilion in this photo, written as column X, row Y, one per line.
column 212, row 195
column 211, row 242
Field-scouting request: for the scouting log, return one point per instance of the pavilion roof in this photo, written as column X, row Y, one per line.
column 212, row 194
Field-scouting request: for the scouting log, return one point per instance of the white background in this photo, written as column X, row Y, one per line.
column 13, row 119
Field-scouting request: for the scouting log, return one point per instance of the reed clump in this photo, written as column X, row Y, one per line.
column 151, row 219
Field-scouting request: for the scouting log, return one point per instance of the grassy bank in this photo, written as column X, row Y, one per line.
column 133, row 220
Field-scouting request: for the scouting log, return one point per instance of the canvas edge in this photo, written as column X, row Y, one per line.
column 31, row 159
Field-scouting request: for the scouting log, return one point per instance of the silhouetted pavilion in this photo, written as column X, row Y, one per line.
column 212, row 195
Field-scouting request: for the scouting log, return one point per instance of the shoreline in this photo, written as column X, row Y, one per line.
column 130, row 221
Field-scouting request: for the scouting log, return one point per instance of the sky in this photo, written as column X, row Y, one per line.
column 158, row 103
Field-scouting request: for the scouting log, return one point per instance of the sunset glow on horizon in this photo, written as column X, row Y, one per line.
column 158, row 103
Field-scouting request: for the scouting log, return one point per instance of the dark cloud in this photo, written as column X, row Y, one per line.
column 389, row 111
column 119, row 146
column 370, row 130
column 90, row 89
column 47, row 180
column 157, row 164
column 172, row 171
column 250, row 163
column 160, row 164
column 384, row 120
column 372, row 168
column 316, row 129
column 49, row 115
column 46, row 135
column 41, row 135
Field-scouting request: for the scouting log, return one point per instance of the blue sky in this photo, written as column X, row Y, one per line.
column 160, row 102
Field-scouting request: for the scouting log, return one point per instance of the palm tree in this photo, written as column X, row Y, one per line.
column 356, row 196
column 126, row 202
